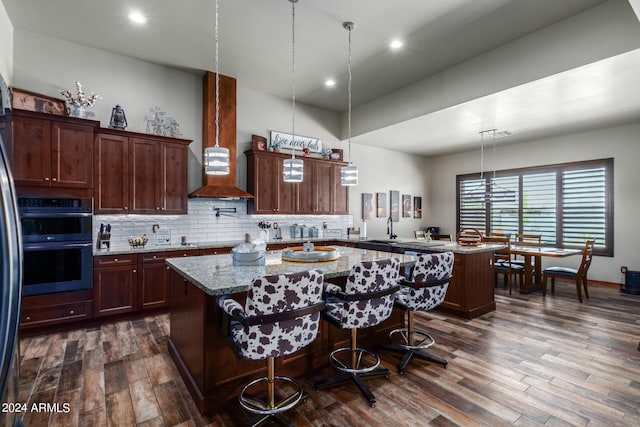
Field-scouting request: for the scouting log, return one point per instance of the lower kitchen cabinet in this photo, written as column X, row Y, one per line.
column 153, row 280
column 114, row 284
column 52, row 309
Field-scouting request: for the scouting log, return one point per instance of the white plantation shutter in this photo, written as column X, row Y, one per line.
column 566, row 204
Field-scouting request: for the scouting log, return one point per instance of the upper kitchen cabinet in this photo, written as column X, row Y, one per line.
column 142, row 174
column 52, row 151
column 319, row 192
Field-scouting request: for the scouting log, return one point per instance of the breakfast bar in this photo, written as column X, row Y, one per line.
column 198, row 339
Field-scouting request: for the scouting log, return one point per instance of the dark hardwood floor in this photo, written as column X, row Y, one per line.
column 534, row 361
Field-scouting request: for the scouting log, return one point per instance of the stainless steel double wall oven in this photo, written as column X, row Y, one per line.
column 57, row 244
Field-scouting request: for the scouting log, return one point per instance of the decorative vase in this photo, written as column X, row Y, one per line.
column 79, row 111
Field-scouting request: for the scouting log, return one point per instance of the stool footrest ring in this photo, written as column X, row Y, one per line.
column 347, row 367
column 258, row 406
column 426, row 342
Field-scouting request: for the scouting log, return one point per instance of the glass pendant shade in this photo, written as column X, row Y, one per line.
column 216, row 160
column 349, row 175
column 292, row 170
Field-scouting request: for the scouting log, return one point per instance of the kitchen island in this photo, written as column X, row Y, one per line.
column 198, row 342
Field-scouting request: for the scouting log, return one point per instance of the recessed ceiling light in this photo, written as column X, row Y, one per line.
column 396, row 44
column 330, row 83
column 137, row 17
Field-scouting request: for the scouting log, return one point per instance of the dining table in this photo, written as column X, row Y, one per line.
column 533, row 271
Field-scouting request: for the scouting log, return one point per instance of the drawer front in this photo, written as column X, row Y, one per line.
column 216, row 251
column 114, row 260
column 56, row 314
column 161, row 256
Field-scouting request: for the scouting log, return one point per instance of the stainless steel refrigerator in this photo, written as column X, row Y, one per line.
column 10, row 292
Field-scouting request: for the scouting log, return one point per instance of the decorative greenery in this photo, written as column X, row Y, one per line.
column 80, row 100
column 158, row 123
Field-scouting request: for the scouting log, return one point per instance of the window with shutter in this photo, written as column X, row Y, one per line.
column 566, row 204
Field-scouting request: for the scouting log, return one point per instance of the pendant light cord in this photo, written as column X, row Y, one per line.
column 293, row 77
column 482, row 154
column 217, row 83
column 349, row 107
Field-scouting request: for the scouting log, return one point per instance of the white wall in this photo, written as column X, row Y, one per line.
column 47, row 65
column 6, row 46
column 619, row 142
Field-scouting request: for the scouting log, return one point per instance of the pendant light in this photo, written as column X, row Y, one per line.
column 349, row 173
column 494, row 193
column 293, row 169
column 216, row 158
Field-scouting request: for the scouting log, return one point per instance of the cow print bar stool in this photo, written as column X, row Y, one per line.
column 366, row 301
column 281, row 315
column 425, row 291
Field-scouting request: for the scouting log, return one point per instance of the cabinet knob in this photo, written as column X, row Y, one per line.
column 154, row 257
column 28, row 318
column 126, row 207
column 54, row 179
column 72, row 312
column 46, row 179
column 168, row 268
column 157, row 208
column 116, row 260
column 135, row 271
column 184, row 254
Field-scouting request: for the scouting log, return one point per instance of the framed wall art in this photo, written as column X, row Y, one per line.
column 417, row 207
column 394, row 204
column 258, row 142
column 381, row 205
column 406, row 205
column 25, row 100
column 367, row 205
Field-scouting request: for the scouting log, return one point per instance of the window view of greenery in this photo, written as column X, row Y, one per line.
column 566, row 204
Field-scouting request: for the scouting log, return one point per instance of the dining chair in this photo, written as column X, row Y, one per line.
column 502, row 262
column 281, row 315
column 526, row 239
column 367, row 300
column 469, row 237
column 419, row 234
column 579, row 274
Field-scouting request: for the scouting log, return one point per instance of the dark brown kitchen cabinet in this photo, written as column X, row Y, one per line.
column 52, row 152
column 314, row 192
column 153, row 280
column 115, row 284
column 319, row 192
column 140, row 174
column 264, row 180
column 54, row 309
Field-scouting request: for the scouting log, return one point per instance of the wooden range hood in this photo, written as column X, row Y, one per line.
column 219, row 186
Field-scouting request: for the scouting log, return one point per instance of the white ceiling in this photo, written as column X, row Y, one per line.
column 255, row 39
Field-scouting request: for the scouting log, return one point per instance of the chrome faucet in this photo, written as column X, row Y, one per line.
column 390, row 228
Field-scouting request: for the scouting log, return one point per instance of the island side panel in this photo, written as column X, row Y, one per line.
column 471, row 291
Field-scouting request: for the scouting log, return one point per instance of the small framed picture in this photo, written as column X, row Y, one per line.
column 258, row 142
column 25, row 100
column 417, row 207
column 394, row 204
column 336, row 154
column 406, row 206
column 381, row 200
column 367, row 205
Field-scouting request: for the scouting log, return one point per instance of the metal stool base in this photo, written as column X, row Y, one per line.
column 413, row 349
column 354, row 374
column 262, row 409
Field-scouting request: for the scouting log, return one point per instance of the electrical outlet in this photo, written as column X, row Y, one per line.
column 623, row 269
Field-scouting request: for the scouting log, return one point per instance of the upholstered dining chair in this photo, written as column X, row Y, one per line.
column 579, row 274
column 281, row 315
column 502, row 262
column 366, row 301
column 425, row 291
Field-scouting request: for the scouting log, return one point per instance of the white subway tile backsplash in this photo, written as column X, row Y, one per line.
column 201, row 225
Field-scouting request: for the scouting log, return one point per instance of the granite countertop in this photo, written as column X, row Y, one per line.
column 216, row 274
